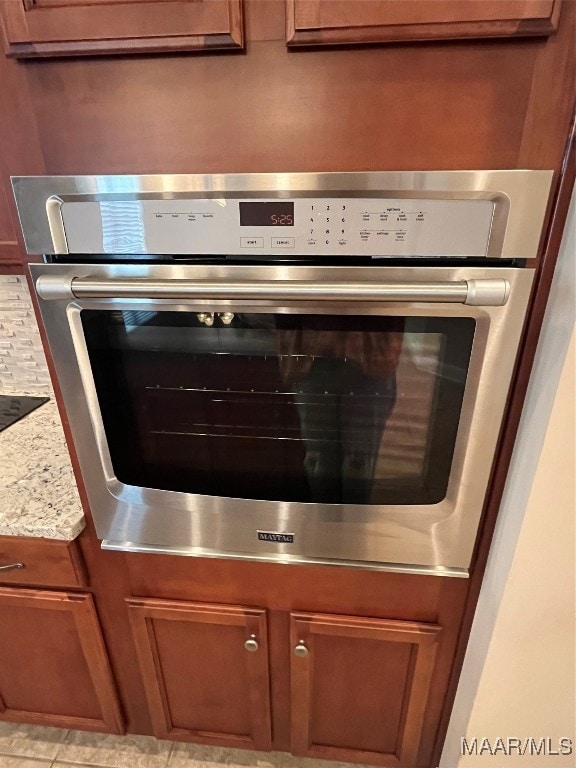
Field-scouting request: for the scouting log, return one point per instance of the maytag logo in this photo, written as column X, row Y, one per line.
column 276, row 536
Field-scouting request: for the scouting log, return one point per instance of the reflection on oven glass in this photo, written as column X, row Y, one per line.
column 345, row 391
column 283, row 407
column 406, row 443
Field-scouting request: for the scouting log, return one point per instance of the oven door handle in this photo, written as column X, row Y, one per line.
column 489, row 292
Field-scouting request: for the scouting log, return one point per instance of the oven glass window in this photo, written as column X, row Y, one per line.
column 284, row 407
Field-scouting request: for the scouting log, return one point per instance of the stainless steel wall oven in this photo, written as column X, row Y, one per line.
column 290, row 367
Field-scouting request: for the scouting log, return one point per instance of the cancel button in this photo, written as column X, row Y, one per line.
column 282, row 242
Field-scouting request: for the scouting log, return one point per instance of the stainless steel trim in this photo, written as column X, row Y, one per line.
column 11, row 566
column 56, row 224
column 520, row 197
column 492, row 292
column 417, row 570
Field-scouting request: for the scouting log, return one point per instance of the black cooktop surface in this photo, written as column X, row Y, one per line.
column 14, row 407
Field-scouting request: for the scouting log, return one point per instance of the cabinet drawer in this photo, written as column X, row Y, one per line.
column 44, row 562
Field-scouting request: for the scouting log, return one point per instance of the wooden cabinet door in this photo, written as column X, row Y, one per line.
column 34, row 28
column 205, row 670
column 360, row 687
column 54, row 669
column 329, row 22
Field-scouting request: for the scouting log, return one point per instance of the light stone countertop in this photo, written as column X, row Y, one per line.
column 38, row 494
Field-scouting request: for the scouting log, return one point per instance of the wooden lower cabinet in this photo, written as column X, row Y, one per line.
column 360, row 687
column 205, row 671
column 54, row 669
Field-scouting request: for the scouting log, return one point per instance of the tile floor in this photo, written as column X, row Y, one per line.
column 27, row 746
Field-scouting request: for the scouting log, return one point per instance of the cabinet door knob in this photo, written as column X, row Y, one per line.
column 301, row 650
column 11, row 566
column 251, row 644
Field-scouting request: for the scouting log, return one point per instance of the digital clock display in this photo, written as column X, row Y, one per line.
column 276, row 214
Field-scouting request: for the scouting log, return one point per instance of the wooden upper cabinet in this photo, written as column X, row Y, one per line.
column 36, row 28
column 333, row 22
column 360, row 687
column 205, row 671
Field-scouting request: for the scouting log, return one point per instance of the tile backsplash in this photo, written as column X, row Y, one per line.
column 23, row 369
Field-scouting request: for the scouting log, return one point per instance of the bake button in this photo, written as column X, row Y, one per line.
column 252, row 242
column 282, row 242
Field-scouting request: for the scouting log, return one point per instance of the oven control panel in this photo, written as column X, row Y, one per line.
column 281, row 227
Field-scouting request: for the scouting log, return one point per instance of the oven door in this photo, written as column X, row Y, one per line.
column 290, row 413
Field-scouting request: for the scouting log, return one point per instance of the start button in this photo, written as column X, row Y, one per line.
column 252, row 242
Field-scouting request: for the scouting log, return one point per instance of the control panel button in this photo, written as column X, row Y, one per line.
column 282, row 242
column 252, row 242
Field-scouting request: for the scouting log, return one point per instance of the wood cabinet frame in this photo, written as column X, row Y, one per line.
column 423, row 640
